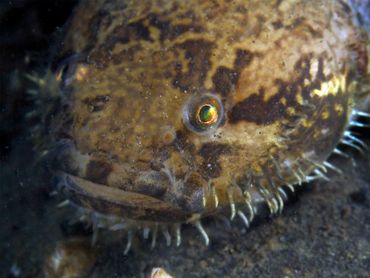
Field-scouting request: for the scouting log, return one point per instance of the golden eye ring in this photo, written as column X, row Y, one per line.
column 207, row 114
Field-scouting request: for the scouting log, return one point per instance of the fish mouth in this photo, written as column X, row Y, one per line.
column 110, row 187
column 118, row 202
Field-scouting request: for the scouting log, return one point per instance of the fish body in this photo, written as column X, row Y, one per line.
column 170, row 111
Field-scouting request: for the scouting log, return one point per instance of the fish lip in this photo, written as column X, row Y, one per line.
column 114, row 201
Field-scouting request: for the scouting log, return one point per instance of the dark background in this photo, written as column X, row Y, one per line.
column 324, row 230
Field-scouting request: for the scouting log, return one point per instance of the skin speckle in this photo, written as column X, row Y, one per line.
column 299, row 99
column 325, row 115
column 338, row 108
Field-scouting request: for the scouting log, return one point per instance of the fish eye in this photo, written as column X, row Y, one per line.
column 66, row 69
column 207, row 114
column 203, row 114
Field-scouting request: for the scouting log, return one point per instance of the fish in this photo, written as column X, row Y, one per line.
column 161, row 113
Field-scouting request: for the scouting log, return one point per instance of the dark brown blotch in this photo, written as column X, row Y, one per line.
column 191, row 196
column 134, row 31
column 362, row 59
column 169, row 31
column 211, row 152
column 198, row 53
column 243, row 58
column 97, row 22
column 151, row 183
column 302, row 23
column 225, row 79
column 98, row 171
column 255, row 109
column 184, row 145
column 278, row 24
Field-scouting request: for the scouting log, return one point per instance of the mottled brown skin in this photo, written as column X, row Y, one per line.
column 282, row 69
